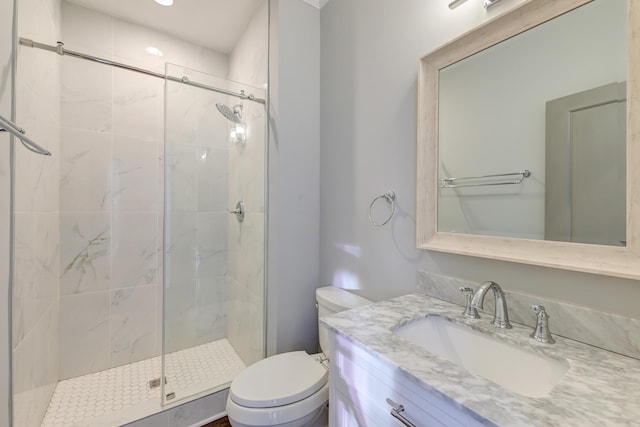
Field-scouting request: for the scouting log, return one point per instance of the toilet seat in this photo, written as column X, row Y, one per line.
column 278, row 380
column 278, row 390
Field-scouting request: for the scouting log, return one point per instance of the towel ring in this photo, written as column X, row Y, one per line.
column 390, row 197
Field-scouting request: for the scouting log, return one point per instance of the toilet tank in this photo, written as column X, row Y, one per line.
column 334, row 300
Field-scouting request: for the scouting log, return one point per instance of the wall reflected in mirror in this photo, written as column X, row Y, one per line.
column 496, row 114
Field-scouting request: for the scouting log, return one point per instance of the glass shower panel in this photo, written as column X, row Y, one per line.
column 213, row 258
column 6, row 82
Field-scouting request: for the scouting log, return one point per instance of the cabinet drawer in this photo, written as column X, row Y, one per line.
column 368, row 395
column 347, row 413
column 366, row 382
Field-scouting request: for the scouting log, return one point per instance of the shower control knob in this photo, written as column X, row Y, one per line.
column 239, row 211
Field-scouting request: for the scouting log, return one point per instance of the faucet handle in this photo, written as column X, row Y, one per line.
column 541, row 331
column 469, row 310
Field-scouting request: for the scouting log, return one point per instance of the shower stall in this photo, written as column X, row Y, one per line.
column 139, row 244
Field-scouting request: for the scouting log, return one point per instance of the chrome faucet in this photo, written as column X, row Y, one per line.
column 501, row 315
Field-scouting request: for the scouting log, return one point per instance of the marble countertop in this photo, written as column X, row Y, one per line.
column 600, row 388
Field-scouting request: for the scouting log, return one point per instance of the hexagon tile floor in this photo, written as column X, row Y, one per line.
column 84, row 398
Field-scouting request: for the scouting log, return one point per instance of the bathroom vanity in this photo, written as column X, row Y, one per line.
column 374, row 370
column 365, row 390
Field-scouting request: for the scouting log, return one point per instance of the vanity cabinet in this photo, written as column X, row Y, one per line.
column 361, row 384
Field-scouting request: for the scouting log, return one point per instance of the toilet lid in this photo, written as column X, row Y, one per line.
column 278, row 380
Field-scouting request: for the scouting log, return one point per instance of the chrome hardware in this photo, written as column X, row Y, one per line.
column 396, row 412
column 501, row 314
column 323, row 360
column 469, row 311
column 541, row 332
column 489, row 3
column 155, row 383
column 171, row 396
column 7, row 125
column 239, row 211
column 390, row 197
column 61, row 50
column 485, row 180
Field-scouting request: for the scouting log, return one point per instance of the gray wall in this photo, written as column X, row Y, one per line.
column 294, row 68
column 369, row 62
column 6, row 29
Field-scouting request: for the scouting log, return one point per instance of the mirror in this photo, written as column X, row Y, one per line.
column 492, row 120
column 494, row 108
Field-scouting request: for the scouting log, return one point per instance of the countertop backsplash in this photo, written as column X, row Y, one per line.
column 608, row 331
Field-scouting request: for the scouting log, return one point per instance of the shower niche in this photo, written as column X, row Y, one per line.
column 129, row 267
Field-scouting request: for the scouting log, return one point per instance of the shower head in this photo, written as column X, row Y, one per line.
column 234, row 115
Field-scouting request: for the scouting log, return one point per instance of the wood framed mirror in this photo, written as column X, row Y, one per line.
column 606, row 259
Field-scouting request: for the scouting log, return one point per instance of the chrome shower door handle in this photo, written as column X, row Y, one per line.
column 239, row 211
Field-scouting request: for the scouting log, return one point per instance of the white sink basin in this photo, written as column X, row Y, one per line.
column 523, row 372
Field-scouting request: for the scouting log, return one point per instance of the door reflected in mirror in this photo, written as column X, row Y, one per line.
column 516, row 106
column 585, row 188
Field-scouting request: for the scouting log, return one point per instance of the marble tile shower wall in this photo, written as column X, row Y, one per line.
column 196, row 279
column 247, row 240
column 111, row 197
column 36, row 210
column 246, row 325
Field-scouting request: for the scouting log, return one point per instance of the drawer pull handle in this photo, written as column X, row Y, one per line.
column 396, row 412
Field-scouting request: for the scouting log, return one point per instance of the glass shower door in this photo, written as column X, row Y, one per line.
column 213, row 302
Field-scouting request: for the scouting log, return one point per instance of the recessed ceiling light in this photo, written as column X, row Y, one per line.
column 154, row 51
column 165, row 2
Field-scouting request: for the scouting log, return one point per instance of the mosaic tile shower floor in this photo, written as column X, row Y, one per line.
column 81, row 399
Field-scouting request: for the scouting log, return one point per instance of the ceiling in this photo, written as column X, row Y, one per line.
column 216, row 24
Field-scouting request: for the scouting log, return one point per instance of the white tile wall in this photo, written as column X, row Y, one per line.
column 213, row 176
column 180, row 235
column 135, row 174
column 181, row 189
column 246, row 324
column 89, row 219
column 46, row 256
column 85, row 260
column 85, row 165
column 133, row 336
column 37, row 248
column 135, row 98
column 86, row 99
column 24, row 313
column 84, row 333
column 135, row 249
column 112, row 198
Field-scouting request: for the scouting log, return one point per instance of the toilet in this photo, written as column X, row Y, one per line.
column 289, row 389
